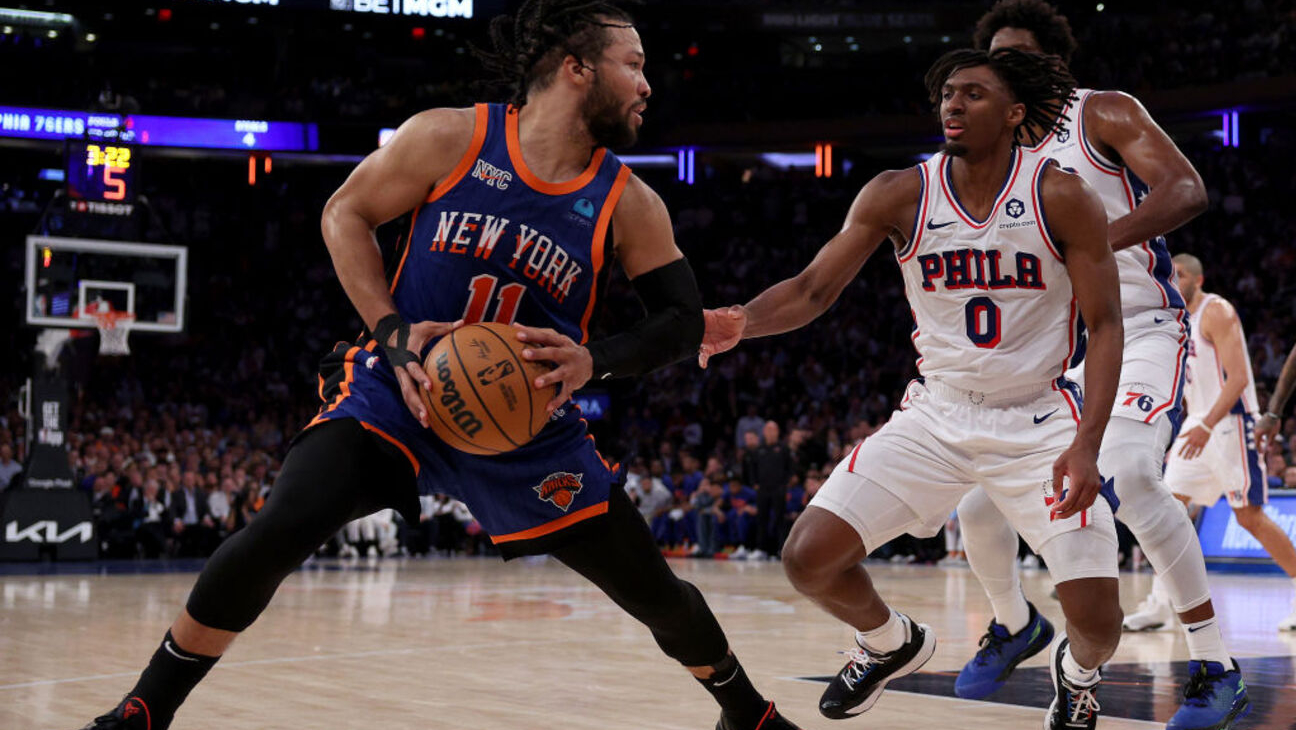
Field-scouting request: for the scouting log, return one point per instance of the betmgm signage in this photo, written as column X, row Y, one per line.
column 408, row 8
column 418, row 8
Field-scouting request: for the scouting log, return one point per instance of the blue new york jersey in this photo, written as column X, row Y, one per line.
column 494, row 243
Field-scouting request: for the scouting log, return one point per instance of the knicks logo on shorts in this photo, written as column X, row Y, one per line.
column 560, row 489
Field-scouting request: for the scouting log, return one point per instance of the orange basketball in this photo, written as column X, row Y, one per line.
column 482, row 399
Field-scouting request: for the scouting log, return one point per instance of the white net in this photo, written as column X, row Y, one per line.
column 114, row 327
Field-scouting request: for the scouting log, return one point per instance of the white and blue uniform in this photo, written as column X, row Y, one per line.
column 996, row 325
column 1155, row 318
column 1230, row 464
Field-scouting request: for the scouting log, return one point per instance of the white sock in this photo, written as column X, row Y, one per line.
column 886, row 638
column 1206, row 643
column 1011, row 611
column 1076, row 674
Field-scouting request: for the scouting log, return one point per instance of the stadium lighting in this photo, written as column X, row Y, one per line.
column 34, row 17
column 684, row 160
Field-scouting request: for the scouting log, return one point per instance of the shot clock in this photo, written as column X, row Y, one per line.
column 100, row 172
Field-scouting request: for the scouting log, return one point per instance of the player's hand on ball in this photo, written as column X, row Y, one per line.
column 573, row 365
column 1194, row 440
column 411, row 376
column 724, row 329
column 1077, row 492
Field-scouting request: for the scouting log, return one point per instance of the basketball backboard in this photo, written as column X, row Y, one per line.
column 69, row 279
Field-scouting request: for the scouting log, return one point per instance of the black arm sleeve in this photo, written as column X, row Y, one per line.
column 671, row 332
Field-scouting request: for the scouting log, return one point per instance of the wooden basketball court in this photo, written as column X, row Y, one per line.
column 480, row 644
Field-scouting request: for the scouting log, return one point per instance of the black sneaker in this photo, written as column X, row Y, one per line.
column 130, row 714
column 771, row 720
column 1074, row 707
column 859, row 684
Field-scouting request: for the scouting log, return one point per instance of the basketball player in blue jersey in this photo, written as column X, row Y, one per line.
column 1148, row 189
column 512, row 211
column 1000, row 251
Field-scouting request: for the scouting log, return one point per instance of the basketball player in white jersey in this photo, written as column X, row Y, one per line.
column 1148, row 189
column 1217, row 454
column 1000, row 251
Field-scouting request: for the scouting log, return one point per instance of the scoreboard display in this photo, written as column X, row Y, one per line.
column 101, row 172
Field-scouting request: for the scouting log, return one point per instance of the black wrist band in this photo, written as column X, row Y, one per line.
column 398, row 354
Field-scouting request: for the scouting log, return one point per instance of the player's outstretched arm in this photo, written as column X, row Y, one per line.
column 1119, row 122
column 389, row 182
column 1267, row 428
column 1220, row 327
column 1078, row 223
column 664, row 283
column 879, row 210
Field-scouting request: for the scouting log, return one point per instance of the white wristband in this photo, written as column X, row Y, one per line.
column 1203, row 425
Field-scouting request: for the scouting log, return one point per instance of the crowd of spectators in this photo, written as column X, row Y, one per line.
column 178, row 444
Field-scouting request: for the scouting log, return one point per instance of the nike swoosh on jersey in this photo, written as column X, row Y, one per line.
column 1045, row 417
column 1158, row 320
column 931, row 226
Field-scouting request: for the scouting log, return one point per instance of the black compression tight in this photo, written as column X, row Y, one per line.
column 335, row 473
column 625, row 563
column 338, row 472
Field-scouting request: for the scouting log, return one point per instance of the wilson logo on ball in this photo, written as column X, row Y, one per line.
column 453, row 401
column 560, row 488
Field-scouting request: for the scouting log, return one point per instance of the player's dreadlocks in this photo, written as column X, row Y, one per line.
column 1042, row 83
column 527, row 48
column 1051, row 30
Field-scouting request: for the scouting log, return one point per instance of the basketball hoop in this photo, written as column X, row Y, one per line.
column 113, row 329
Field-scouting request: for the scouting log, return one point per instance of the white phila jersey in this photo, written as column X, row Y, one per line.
column 1206, row 371
column 991, row 300
column 1146, row 272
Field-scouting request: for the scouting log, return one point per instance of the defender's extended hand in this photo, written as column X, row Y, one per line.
column 573, row 364
column 724, row 329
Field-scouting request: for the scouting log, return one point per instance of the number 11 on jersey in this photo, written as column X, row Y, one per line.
column 480, row 290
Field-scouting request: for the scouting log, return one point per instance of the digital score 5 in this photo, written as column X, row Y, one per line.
column 98, row 172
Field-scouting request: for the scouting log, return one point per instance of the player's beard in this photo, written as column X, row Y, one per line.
column 608, row 122
column 954, row 149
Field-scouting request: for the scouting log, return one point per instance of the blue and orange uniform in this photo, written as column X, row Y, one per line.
column 493, row 242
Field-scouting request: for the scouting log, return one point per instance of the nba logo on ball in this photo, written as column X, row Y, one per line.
column 1015, row 208
column 560, row 488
